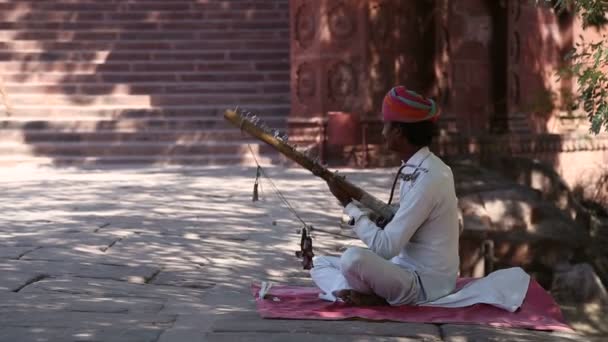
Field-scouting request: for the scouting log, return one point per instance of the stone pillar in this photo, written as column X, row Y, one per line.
column 345, row 55
column 538, row 39
column 515, row 116
column 466, row 29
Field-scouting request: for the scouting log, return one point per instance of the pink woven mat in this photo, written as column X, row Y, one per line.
column 539, row 311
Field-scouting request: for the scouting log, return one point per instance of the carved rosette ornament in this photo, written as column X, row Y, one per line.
column 379, row 76
column 341, row 22
column 514, row 48
column 515, row 9
column 514, row 88
column 305, row 83
column 342, row 81
column 379, row 23
column 305, row 26
column 514, row 61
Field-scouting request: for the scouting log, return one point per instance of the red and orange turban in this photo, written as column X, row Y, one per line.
column 404, row 105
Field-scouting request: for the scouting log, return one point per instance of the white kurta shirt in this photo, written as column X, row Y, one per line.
column 423, row 234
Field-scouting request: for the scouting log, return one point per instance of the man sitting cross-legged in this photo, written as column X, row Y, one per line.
column 414, row 259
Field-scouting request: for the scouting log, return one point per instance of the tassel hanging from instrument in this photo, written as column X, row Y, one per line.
column 255, row 185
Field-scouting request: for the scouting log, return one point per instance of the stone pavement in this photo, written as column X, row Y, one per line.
column 168, row 254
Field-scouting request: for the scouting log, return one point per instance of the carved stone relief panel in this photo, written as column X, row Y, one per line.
column 514, row 88
column 342, row 81
column 305, row 25
column 515, row 9
column 514, row 47
column 341, row 21
column 306, row 83
column 380, row 23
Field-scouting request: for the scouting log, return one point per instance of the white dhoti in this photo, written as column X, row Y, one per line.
column 364, row 271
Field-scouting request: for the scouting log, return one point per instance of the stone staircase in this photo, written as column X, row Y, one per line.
column 139, row 81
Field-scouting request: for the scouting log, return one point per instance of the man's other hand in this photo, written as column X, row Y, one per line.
column 339, row 192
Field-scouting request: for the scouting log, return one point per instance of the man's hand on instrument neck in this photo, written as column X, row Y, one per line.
column 339, row 192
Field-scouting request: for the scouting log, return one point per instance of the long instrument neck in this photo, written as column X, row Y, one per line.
column 279, row 143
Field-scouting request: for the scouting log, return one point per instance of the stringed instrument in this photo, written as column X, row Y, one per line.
column 253, row 125
column 256, row 128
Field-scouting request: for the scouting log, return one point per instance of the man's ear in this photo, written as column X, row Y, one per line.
column 397, row 129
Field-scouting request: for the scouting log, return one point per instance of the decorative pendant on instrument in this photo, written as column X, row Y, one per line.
column 256, row 184
column 305, row 252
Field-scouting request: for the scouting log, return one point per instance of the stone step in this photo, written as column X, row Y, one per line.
column 136, row 46
column 140, row 81
column 130, row 125
column 175, row 88
column 223, row 100
column 53, row 15
column 32, row 136
column 90, row 67
column 111, row 149
column 184, row 55
column 193, row 35
column 76, row 112
column 145, row 77
column 136, row 6
column 121, row 26
column 229, row 159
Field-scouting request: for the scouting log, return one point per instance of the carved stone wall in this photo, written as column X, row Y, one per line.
column 491, row 65
column 328, row 57
column 465, row 36
column 538, row 39
column 345, row 56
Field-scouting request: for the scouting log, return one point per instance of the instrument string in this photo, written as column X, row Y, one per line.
column 276, row 189
column 286, row 202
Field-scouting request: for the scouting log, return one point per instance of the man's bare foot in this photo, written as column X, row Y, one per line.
column 353, row 297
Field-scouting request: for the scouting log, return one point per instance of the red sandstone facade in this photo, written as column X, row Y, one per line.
column 146, row 81
column 491, row 65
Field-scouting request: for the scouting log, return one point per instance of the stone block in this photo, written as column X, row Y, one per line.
column 459, row 333
column 133, row 274
column 84, row 334
column 67, row 319
column 14, row 252
column 14, row 280
column 302, row 337
column 111, row 288
column 238, row 325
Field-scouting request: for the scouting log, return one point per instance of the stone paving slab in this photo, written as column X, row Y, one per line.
column 69, row 319
column 303, row 337
column 195, row 279
column 456, row 333
column 238, row 325
column 59, row 239
column 86, row 254
column 14, row 280
column 17, row 302
column 14, row 252
column 85, row 334
column 111, row 288
column 167, row 254
column 133, row 274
